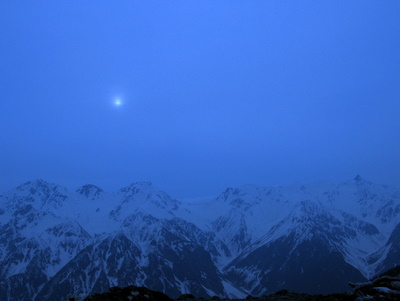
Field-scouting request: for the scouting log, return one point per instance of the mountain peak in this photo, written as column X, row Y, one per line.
column 33, row 183
column 90, row 191
column 358, row 178
column 40, row 186
column 138, row 186
column 40, row 192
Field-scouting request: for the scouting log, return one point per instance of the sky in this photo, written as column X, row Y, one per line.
column 198, row 96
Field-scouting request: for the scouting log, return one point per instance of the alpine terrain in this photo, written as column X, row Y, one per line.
column 56, row 243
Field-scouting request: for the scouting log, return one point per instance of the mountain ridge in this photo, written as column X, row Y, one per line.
column 181, row 245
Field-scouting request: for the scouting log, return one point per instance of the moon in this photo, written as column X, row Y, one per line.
column 117, row 102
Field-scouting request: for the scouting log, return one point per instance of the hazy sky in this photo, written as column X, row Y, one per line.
column 213, row 93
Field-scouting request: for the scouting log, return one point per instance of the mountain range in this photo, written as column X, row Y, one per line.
column 251, row 240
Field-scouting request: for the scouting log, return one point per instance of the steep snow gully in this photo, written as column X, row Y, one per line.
column 56, row 243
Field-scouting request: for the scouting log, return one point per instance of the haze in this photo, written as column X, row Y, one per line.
column 197, row 96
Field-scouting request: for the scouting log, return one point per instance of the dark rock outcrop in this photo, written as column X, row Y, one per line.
column 383, row 287
column 143, row 294
column 132, row 293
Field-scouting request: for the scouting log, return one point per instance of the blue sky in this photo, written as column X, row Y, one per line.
column 214, row 93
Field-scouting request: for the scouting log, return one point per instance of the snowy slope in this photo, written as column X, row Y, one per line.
column 308, row 238
column 35, row 242
column 376, row 204
column 239, row 216
column 44, row 241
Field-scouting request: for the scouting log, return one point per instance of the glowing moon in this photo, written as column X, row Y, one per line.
column 117, row 102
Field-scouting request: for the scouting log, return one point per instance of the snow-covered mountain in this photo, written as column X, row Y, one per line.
column 248, row 240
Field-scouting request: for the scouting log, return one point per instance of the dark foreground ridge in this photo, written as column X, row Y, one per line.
column 383, row 287
column 134, row 293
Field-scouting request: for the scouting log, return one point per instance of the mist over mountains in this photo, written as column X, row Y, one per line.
column 255, row 240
